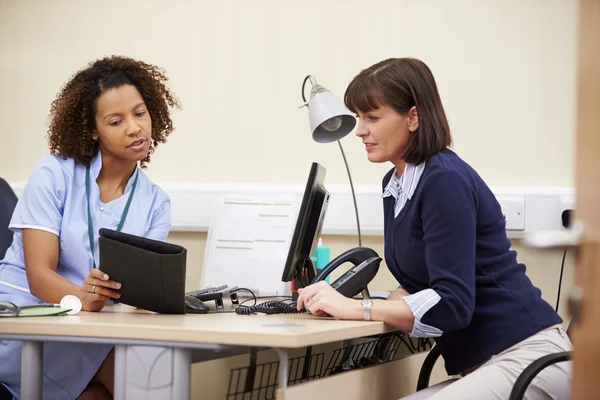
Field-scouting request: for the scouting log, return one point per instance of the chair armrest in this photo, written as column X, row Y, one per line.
column 533, row 370
column 427, row 368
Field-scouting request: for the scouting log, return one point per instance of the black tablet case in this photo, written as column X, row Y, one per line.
column 151, row 272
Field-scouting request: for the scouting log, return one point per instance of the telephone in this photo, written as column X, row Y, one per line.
column 354, row 281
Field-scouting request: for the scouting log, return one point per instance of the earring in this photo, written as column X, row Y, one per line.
column 94, row 137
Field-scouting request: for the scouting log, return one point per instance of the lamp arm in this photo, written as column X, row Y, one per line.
column 313, row 82
column 353, row 194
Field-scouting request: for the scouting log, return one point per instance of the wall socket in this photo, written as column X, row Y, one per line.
column 513, row 209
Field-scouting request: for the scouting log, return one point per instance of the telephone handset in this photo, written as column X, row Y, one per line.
column 354, row 281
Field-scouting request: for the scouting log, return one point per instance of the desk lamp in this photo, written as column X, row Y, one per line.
column 330, row 121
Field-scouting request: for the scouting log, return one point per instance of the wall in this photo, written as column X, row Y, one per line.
column 505, row 70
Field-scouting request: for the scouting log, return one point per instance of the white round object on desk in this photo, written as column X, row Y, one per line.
column 72, row 303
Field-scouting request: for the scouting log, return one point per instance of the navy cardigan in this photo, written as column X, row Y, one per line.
column 451, row 237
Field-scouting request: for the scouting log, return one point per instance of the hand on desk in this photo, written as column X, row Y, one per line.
column 97, row 290
column 320, row 299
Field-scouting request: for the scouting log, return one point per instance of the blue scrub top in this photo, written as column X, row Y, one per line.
column 54, row 200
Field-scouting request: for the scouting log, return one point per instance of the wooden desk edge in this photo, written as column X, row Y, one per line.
column 187, row 337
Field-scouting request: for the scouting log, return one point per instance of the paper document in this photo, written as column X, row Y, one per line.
column 248, row 243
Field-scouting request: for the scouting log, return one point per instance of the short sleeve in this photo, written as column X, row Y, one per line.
column 41, row 204
column 161, row 221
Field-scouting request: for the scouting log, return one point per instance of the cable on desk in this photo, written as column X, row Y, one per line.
column 266, row 297
column 269, row 307
column 245, row 290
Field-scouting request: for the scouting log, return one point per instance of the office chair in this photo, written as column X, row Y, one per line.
column 4, row 393
column 538, row 366
column 523, row 380
column 8, row 201
column 427, row 367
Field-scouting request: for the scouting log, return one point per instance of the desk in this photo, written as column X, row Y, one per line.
column 165, row 343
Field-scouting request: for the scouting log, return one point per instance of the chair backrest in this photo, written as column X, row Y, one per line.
column 8, row 201
column 5, row 394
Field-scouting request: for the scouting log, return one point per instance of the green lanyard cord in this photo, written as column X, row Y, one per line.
column 89, row 213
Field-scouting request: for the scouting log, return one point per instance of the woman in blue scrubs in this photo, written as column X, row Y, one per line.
column 105, row 123
column 446, row 245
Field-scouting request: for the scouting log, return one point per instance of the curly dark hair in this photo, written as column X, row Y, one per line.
column 72, row 114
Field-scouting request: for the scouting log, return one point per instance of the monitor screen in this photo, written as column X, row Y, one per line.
column 308, row 228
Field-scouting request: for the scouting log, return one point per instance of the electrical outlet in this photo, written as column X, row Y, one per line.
column 545, row 207
column 566, row 203
column 513, row 210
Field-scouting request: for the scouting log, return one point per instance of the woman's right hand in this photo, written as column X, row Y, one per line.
column 97, row 289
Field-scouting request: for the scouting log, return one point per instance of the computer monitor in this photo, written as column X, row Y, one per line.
column 299, row 267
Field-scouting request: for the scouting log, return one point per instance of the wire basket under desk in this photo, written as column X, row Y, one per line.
column 258, row 381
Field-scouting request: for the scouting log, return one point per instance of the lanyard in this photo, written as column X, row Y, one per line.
column 90, row 223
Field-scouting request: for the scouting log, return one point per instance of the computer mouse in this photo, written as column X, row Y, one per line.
column 195, row 306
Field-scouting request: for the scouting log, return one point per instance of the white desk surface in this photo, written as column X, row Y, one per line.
column 124, row 322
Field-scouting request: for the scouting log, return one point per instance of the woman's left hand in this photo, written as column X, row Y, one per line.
column 320, row 299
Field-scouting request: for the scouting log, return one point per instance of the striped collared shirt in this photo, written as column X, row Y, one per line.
column 403, row 187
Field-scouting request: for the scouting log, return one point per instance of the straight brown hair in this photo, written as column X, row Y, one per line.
column 403, row 83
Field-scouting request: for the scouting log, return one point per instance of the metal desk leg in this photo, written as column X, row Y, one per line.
column 32, row 355
column 283, row 368
column 120, row 371
column 152, row 372
column 182, row 371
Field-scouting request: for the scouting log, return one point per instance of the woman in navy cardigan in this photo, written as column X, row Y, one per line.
column 446, row 244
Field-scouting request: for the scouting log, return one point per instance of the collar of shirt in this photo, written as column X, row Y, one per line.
column 407, row 183
column 96, row 166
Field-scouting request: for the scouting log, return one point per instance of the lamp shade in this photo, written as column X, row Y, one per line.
column 329, row 118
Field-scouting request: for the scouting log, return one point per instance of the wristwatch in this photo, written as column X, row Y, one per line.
column 367, row 303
